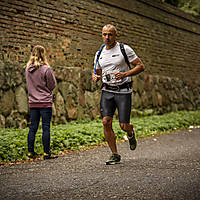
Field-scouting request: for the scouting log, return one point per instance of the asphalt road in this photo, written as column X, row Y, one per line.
column 162, row 167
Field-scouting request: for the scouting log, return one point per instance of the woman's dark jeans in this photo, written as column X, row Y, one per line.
column 35, row 114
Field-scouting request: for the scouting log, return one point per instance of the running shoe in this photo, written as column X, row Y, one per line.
column 132, row 141
column 114, row 159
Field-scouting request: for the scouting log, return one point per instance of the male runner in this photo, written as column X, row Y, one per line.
column 116, row 88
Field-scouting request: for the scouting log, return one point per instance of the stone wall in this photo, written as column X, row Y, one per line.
column 166, row 39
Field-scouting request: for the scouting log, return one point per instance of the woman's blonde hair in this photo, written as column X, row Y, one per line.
column 38, row 57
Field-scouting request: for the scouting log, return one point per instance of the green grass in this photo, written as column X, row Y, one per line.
column 78, row 135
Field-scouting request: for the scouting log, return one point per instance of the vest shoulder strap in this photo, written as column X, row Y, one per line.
column 98, row 55
column 124, row 54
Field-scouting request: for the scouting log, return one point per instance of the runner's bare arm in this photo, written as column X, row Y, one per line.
column 139, row 67
column 96, row 77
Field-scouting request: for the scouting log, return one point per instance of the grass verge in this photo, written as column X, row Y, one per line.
column 77, row 135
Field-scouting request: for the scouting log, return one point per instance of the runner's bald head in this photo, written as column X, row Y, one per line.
column 110, row 26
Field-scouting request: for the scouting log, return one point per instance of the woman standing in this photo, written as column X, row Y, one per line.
column 40, row 82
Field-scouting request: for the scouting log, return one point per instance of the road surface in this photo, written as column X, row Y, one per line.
column 162, row 167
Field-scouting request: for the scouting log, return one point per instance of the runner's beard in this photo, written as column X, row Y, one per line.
column 108, row 43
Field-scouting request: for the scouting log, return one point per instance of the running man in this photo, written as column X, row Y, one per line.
column 115, row 73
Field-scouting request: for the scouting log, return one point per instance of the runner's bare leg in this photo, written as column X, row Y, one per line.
column 127, row 128
column 109, row 134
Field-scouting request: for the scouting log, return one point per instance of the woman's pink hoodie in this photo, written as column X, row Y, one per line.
column 40, row 83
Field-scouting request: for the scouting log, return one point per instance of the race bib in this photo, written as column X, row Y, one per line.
column 109, row 77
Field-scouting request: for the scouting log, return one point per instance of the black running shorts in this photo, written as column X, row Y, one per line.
column 110, row 101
